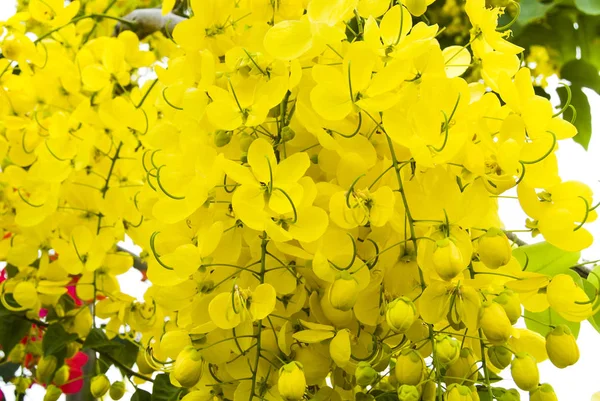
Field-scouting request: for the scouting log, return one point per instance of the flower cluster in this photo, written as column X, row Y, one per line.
column 315, row 190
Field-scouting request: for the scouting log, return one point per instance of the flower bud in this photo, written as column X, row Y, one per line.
column 45, row 369
column 291, row 383
column 524, row 371
column 17, row 354
column 458, row 392
column 462, row 369
column 365, row 374
column 447, row 349
column 429, row 390
column 287, row 134
column 99, row 386
column 494, row 249
column 401, row 314
column 62, row 375
column 72, row 349
column 188, row 367
column 406, row 392
column 409, row 367
column 222, row 138
column 53, row 393
column 495, row 323
column 499, row 356
column 173, row 342
column 117, row 390
column 510, row 395
column 21, row 384
column 447, row 260
column 314, row 159
column 561, row 347
column 34, row 348
column 511, row 304
column 544, row 392
column 343, row 292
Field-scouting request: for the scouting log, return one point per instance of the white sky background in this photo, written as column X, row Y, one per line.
column 575, row 383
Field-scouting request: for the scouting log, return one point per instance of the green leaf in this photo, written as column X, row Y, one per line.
column 141, row 395
column 56, row 339
column 541, row 322
column 163, row 390
column 588, row 6
column 483, row 393
column 583, row 122
column 12, row 329
column 545, row 258
column 581, row 73
column 8, row 370
column 98, row 341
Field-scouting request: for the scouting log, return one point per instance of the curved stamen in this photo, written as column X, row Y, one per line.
column 156, row 255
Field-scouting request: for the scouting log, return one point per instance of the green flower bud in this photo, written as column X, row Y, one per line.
column 291, row 383
column 99, row 386
column 314, row 159
column 53, row 393
column 62, row 375
column 495, row 324
column 447, row 349
column 72, row 349
column 117, row 390
column 21, row 384
column 510, row 395
column 511, row 304
column 365, row 374
column 222, row 138
column 447, row 260
column 343, row 292
column 524, row 371
column 458, row 392
column 409, row 367
column 17, row 354
column 494, row 249
column 188, row 367
column 429, row 390
column 561, row 347
column 499, row 356
column 142, row 364
column 45, row 369
column 544, row 392
column 401, row 314
column 406, row 392
column 287, row 134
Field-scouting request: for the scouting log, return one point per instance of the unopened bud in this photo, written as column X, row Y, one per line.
column 562, row 347
column 53, row 393
column 458, row 392
column 365, row 374
column 17, row 354
column 495, row 324
column 524, row 371
column 287, row 134
column 117, row 390
column 188, row 367
column 544, row 392
column 409, row 367
column 447, row 349
column 62, row 375
column 291, row 383
column 45, row 369
column 406, row 392
column 511, row 304
column 447, row 260
column 222, row 138
column 343, row 292
column 499, row 356
column 401, row 314
column 99, row 386
column 494, row 249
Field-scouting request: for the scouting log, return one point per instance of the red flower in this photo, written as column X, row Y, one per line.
column 75, row 382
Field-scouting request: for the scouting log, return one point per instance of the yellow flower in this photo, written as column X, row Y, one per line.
column 409, row 367
column 291, row 383
column 188, row 367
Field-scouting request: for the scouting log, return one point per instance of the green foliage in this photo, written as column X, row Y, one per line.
column 545, row 258
column 163, row 390
column 56, row 340
column 579, row 25
column 13, row 327
column 141, row 395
